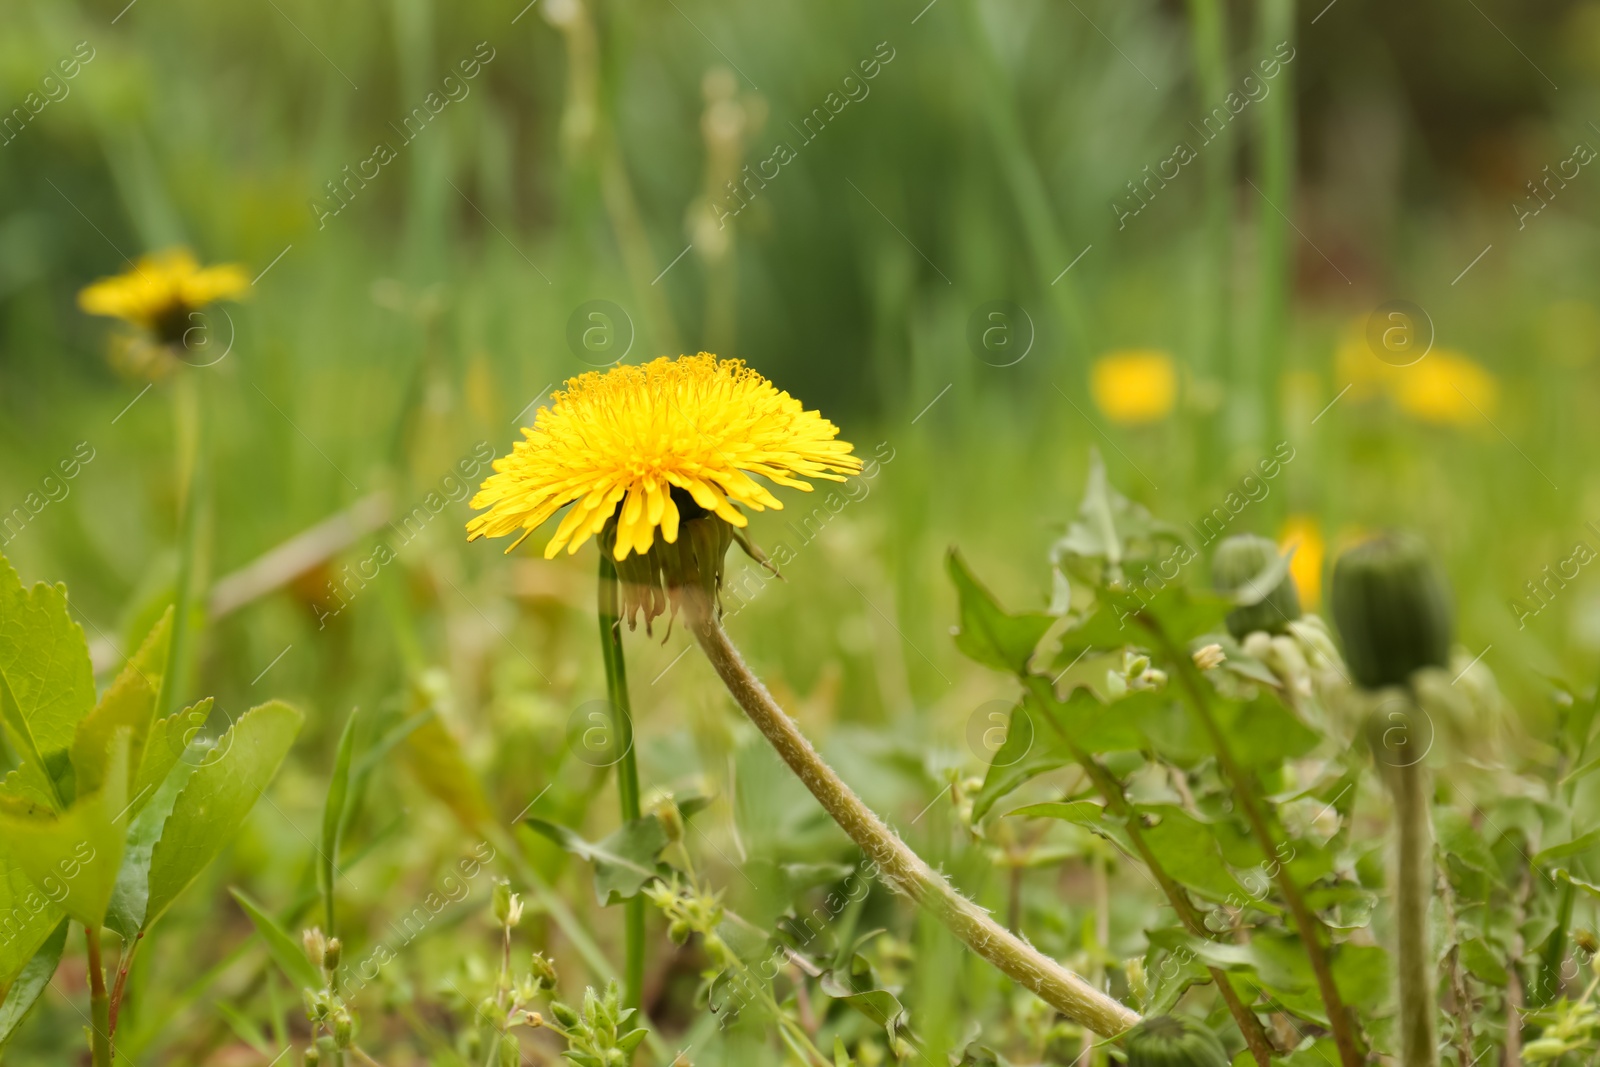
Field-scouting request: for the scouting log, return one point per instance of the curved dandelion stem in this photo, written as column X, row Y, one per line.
column 627, row 767
column 900, row 868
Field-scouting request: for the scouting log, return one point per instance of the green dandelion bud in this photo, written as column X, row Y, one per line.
column 1392, row 607
column 1170, row 1041
column 1238, row 561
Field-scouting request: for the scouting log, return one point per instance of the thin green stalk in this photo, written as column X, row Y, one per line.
column 1306, row 923
column 1276, row 155
column 99, row 1000
column 627, row 767
column 900, row 868
column 190, row 430
column 1215, row 358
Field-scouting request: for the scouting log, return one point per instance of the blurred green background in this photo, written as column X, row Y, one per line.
column 588, row 160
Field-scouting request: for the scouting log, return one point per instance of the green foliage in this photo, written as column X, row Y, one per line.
column 624, row 862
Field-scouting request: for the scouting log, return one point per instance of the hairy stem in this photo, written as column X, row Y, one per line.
column 901, row 868
column 1255, row 1035
column 627, row 767
column 1305, row 921
column 99, row 1000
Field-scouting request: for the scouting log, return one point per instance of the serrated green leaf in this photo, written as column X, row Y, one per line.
column 285, row 951
column 624, row 863
column 1263, row 732
column 35, row 976
column 987, row 632
column 218, row 795
column 169, row 739
column 44, row 661
column 73, row 856
column 1188, row 849
column 129, row 702
column 130, row 896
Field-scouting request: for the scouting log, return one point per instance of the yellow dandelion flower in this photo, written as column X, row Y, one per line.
column 1447, row 388
column 1135, row 385
column 672, row 439
column 162, row 291
column 1304, row 534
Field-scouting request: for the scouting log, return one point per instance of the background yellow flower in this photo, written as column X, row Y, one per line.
column 1304, row 534
column 162, row 289
column 1134, row 385
column 1446, row 388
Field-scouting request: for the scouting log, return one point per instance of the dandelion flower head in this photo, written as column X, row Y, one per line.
column 654, row 445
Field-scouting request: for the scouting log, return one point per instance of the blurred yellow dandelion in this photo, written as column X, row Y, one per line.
column 671, row 439
column 1304, row 534
column 162, row 290
column 1447, row 388
column 1134, row 385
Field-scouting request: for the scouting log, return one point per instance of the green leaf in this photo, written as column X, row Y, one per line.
column 1104, row 629
column 1263, row 732
column 987, row 632
column 30, row 984
column 1085, row 813
column 1188, row 849
column 1578, row 845
column 169, row 739
column 859, row 989
column 285, row 951
column 214, row 802
column 1024, row 754
column 27, row 916
column 1092, row 726
column 73, row 856
column 1459, row 838
column 624, row 862
column 129, row 703
column 333, row 809
column 1482, row 963
column 435, row 757
column 44, row 662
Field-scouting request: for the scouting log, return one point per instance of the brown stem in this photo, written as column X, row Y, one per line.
column 1255, row 1035
column 901, row 868
column 1310, row 929
column 121, row 984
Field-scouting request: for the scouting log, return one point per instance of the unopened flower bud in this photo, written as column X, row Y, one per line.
column 344, row 1029
column 563, row 1014
column 671, row 819
column 507, row 905
column 1392, row 607
column 313, row 1057
column 1209, row 657
column 330, row 955
column 316, row 944
column 1585, row 939
column 544, row 970
column 679, row 931
column 1237, row 563
column 1170, row 1041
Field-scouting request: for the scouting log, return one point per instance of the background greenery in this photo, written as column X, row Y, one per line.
column 385, row 345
